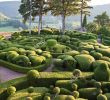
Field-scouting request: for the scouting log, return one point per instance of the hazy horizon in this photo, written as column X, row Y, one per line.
column 93, row 2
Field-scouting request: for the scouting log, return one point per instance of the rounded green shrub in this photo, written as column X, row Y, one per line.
column 3, row 55
column 107, row 95
column 51, row 42
column 84, row 61
column 65, row 91
column 37, row 60
column 64, row 97
column 64, row 56
column 84, row 52
column 98, row 63
column 30, row 52
column 47, row 55
column 56, row 90
column 11, row 90
column 102, row 73
column 12, row 56
column 97, row 84
column 22, row 60
column 21, row 51
column 70, row 98
column 33, row 74
column 101, row 97
column 72, row 53
column 58, row 48
column 69, row 63
column 75, row 94
column 58, row 62
column 105, row 58
column 96, row 55
column 29, row 98
column 74, row 87
column 77, row 73
column 30, row 89
column 89, row 93
column 47, row 98
column 39, row 51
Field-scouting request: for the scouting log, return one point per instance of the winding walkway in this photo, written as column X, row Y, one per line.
column 7, row 74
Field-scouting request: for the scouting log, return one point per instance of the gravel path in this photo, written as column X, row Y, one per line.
column 49, row 69
column 7, row 74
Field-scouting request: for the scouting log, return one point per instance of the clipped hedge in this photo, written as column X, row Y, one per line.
column 84, row 61
column 21, row 69
column 89, row 93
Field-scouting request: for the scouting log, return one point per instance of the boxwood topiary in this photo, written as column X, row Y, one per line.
column 11, row 90
column 96, row 55
column 72, row 53
column 97, row 84
column 3, row 55
column 84, row 52
column 30, row 89
column 64, row 56
column 101, row 97
column 70, row 98
column 58, row 62
column 97, row 63
column 75, row 94
column 46, row 98
column 56, row 90
column 74, row 87
column 47, row 55
column 22, row 60
column 65, row 91
column 102, row 73
column 89, row 93
column 77, row 73
column 33, row 74
column 29, row 98
column 51, row 42
column 84, row 61
column 107, row 95
column 69, row 63
column 64, row 97
column 37, row 60
column 39, row 51
column 12, row 56
column 30, row 52
column 105, row 58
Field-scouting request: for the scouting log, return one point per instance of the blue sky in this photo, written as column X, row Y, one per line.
column 93, row 2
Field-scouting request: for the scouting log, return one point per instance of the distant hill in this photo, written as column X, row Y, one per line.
column 10, row 9
column 3, row 17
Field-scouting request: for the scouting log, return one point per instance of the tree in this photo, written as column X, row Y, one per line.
column 84, row 9
column 102, row 20
column 63, row 8
column 84, row 24
column 34, row 8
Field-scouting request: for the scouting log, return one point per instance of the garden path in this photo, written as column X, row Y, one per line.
column 7, row 74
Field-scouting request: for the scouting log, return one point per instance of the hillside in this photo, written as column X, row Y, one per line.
column 3, row 17
column 10, row 8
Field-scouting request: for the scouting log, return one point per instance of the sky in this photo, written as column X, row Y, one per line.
column 93, row 2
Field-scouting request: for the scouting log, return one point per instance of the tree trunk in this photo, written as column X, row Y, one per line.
column 40, row 21
column 81, row 15
column 63, row 24
column 81, row 20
